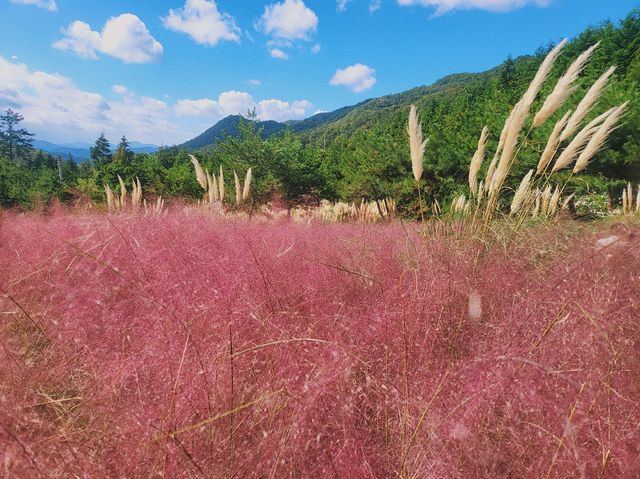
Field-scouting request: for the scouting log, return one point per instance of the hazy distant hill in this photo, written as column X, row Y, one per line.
column 80, row 151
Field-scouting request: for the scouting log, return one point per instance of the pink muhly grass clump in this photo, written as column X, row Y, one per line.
column 181, row 346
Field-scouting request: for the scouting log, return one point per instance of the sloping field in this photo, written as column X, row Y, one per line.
column 185, row 347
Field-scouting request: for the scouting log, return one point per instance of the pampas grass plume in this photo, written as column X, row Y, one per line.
column 599, row 138
column 201, row 176
column 416, row 144
column 476, row 161
column 247, row 185
column 585, row 105
column 521, row 193
column 564, row 88
column 552, row 143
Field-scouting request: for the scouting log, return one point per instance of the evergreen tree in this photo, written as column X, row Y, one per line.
column 15, row 142
column 101, row 151
column 123, row 153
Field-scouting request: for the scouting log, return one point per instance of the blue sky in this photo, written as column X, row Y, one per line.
column 162, row 71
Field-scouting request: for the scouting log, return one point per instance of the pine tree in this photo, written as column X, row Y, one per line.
column 123, row 152
column 101, row 151
column 15, row 142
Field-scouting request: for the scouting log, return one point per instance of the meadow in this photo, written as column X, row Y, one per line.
column 496, row 337
column 178, row 346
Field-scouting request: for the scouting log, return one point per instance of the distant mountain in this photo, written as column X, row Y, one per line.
column 229, row 126
column 78, row 154
column 137, row 147
column 80, row 151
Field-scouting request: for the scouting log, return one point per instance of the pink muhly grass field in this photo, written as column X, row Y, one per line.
column 185, row 347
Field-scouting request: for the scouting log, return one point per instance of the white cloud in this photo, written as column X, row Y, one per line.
column 279, row 54
column 120, row 90
column 238, row 103
column 56, row 109
column 444, row 6
column 357, row 78
column 290, row 20
column 197, row 108
column 342, row 5
column 375, row 5
column 316, row 49
column 124, row 37
column 79, row 38
column 203, row 22
column 46, row 4
column 279, row 110
column 254, row 82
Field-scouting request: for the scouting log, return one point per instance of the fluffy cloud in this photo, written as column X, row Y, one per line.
column 279, row 110
column 203, row 22
column 444, row 6
column 238, row 103
column 290, row 20
column 124, row 37
column 316, row 48
column 342, row 5
column 57, row 110
column 46, row 4
column 279, row 54
column 357, row 78
column 120, row 90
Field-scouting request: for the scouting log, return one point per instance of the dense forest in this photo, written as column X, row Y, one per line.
column 358, row 152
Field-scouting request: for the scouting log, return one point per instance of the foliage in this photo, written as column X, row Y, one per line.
column 15, row 142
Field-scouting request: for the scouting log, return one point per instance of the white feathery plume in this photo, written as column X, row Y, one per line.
column 579, row 142
column 200, row 174
column 519, row 115
column 521, row 193
column 221, row 185
column 552, row 143
column 237, row 185
column 247, row 185
column 123, row 193
column 564, row 88
column 585, row 105
column 599, row 138
column 416, row 144
column 476, row 161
